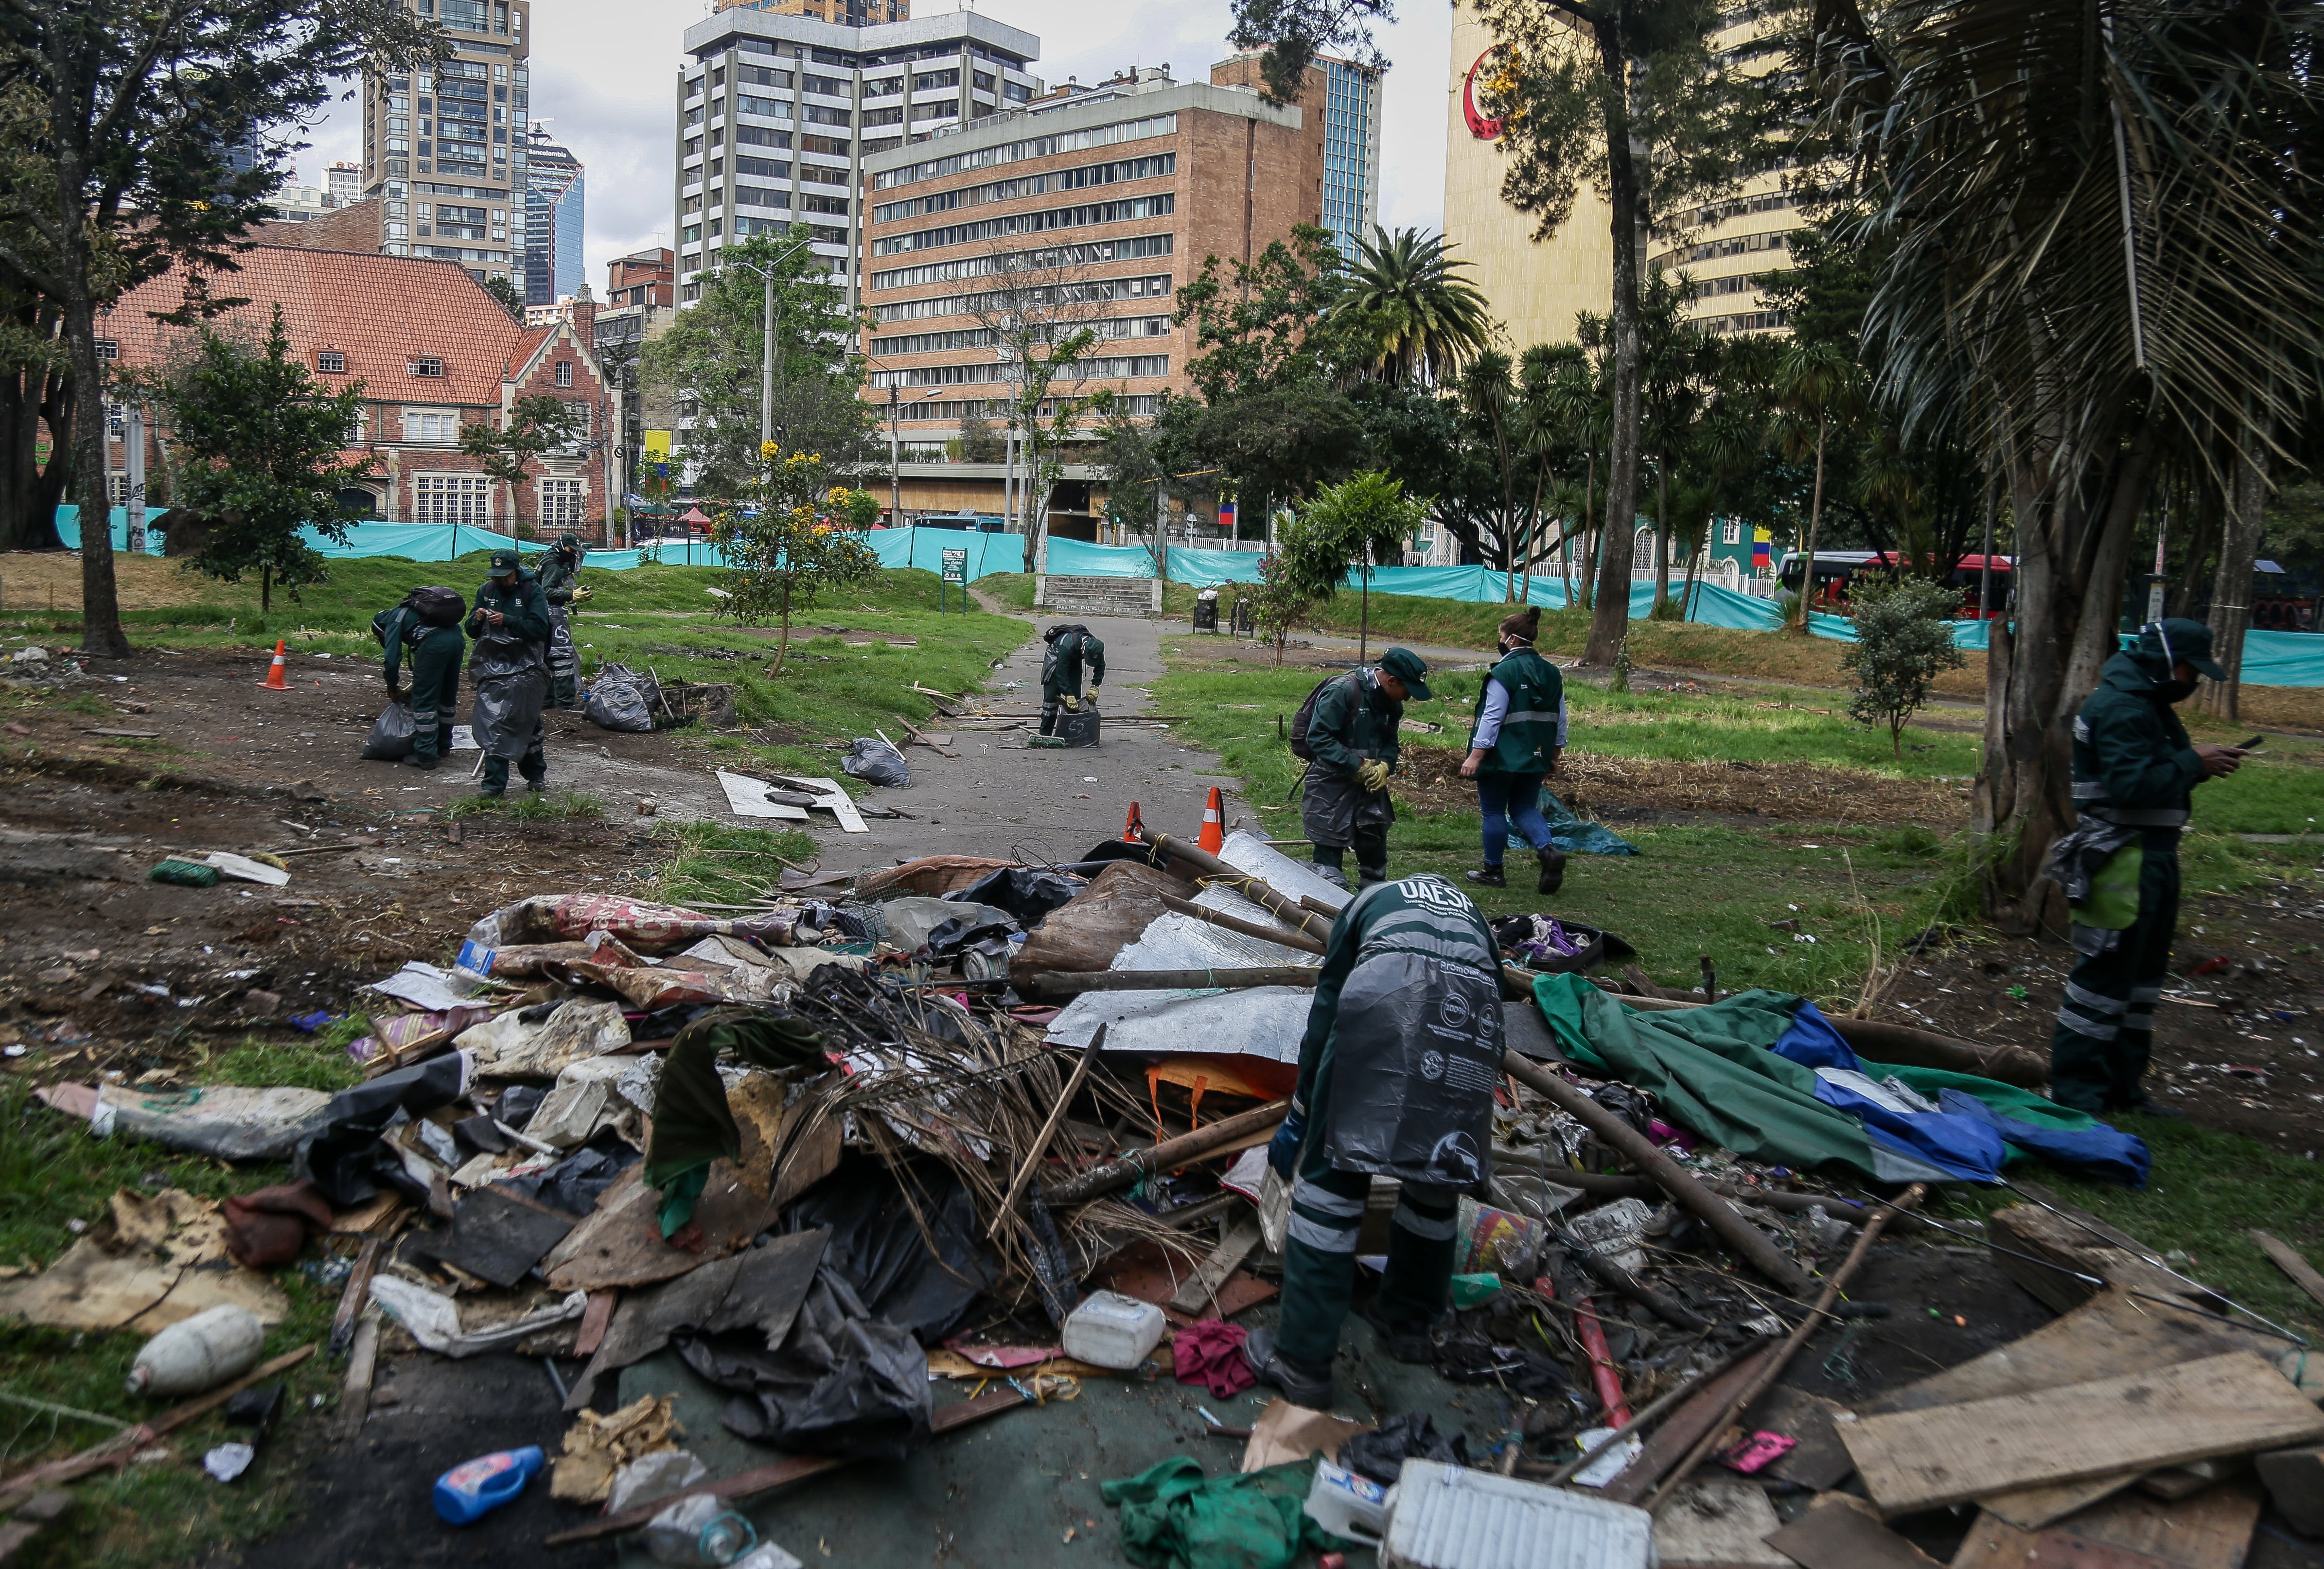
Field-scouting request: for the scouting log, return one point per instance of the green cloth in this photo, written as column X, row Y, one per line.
column 2113, row 903
column 692, row 1123
column 1173, row 1518
column 1711, row 1072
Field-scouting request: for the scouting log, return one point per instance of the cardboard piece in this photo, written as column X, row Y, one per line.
column 1717, row 1522
column 1285, row 1433
column 1842, row 1532
column 156, row 1257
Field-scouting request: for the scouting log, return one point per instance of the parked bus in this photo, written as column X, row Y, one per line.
column 1835, row 570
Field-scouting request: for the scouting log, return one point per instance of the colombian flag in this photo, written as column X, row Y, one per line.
column 1227, row 513
column 1762, row 555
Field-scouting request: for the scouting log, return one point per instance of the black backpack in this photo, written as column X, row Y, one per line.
column 1306, row 714
column 436, row 607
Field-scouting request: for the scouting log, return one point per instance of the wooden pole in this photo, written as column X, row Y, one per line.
column 1250, row 929
column 1048, row 1131
column 1128, row 1169
column 1071, row 983
column 1243, row 882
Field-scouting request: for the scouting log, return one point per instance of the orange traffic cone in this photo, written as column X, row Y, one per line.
column 1214, row 836
column 275, row 681
column 1133, row 827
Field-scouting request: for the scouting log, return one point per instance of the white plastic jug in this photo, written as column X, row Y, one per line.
column 1113, row 1331
column 198, row 1353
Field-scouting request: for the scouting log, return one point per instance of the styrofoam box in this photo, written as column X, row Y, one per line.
column 1448, row 1517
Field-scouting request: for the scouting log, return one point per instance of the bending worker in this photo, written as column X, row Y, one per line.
column 1520, row 730
column 560, row 570
column 1396, row 1072
column 426, row 629
column 509, row 668
column 2133, row 772
column 1351, row 747
column 1071, row 646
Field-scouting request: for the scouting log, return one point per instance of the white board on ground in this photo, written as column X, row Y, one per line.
column 747, row 797
column 835, row 800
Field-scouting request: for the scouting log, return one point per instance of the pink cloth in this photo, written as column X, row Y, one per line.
column 1210, row 1353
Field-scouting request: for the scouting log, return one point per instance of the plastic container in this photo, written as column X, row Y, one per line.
column 1449, row 1517
column 198, row 1353
column 475, row 1488
column 1113, row 1331
column 1351, row 1506
column 699, row 1530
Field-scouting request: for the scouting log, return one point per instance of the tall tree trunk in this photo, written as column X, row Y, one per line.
column 1661, row 533
column 1589, row 533
column 2231, row 587
column 1610, row 623
column 101, row 634
column 1816, row 525
column 29, row 490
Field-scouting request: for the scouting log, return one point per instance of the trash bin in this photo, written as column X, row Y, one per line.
column 1206, row 610
column 1242, row 623
column 1079, row 727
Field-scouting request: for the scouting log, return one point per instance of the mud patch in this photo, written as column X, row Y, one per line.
column 1597, row 785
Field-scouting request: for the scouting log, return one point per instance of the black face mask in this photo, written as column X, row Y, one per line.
column 2174, row 691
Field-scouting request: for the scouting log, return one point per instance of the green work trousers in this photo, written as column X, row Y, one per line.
column 1319, row 1254
column 533, row 765
column 436, row 690
column 2106, row 1021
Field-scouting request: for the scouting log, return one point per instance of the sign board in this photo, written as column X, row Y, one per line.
column 956, row 566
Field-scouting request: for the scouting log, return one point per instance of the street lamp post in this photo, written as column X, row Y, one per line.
column 768, row 331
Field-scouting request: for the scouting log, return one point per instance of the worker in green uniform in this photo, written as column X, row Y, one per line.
column 1351, row 747
column 1072, row 646
column 1397, row 1070
column 424, row 629
column 2133, row 774
column 1520, row 729
column 560, row 568
column 510, row 670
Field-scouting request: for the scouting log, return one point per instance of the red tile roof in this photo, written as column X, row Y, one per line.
column 382, row 312
column 526, row 347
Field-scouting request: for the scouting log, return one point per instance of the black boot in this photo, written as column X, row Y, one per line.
column 1305, row 1386
column 1553, row 871
column 423, row 760
column 1490, row 877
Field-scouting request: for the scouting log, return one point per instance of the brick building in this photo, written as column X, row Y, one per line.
column 1122, row 189
column 433, row 352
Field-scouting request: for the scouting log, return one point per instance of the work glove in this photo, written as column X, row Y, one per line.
column 579, row 594
column 1373, row 776
column 1072, row 705
column 1093, row 697
column 1283, row 1150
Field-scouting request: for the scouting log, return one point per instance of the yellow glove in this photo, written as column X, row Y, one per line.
column 1072, row 705
column 1092, row 697
column 580, row 595
column 1373, row 776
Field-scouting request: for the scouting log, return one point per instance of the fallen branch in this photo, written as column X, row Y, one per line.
column 1126, row 1169
column 1250, row 929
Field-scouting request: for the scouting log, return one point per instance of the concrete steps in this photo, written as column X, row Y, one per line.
column 1097, row 596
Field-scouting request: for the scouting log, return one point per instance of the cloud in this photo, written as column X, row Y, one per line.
column 604, row 78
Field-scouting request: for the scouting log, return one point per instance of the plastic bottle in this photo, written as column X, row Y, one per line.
column 1113, row 1331
column 699, row 1530
column 475, row 1488
column 198, row 1353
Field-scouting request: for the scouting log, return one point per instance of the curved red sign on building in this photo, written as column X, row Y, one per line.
column 1481, row 129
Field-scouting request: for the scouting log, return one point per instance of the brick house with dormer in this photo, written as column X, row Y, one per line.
column 433, row 352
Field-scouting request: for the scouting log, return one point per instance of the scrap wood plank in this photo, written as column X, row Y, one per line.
column 2212, row 1530
column 2048, row 1251
column 830, row 797
column 1682, row 1430
column 1841, row 1532
column 2031, row 1509
column 796, row 1468
column 1150, row 1273
column 1948, row 1454
column 2288, row 1259
column 924, row 738
column 1195, row 1294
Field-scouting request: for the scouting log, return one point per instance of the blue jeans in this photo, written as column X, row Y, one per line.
column 1507, row 798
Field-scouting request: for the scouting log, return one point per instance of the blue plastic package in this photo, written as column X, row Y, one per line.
column 475, row 1488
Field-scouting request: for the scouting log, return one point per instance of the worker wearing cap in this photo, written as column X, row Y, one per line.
column 1520, row 729
column 560, row 568
column 1351, row 733
column 1071, row 646
column 1403, row 1046
column 509, row 670
column 2133, row 774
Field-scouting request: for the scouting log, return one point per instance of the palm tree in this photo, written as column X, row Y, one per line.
column 1426, row 320
column 1816, row 384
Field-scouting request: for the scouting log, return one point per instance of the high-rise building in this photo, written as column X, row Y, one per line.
column 845, row 13
column 1340, row 101
column 553, row 193
column 778, row 112
column 343, row 183
column 443, row 149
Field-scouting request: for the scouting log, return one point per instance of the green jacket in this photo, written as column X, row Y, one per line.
column 1354, row 721
column 523, row 635
column 389, row 626
column 1529, row 732
column 1418, row 915
column 557, row 578
column 2133, row 762
column 1071, row 648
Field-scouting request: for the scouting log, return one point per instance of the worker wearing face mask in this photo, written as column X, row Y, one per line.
column 1520, row 730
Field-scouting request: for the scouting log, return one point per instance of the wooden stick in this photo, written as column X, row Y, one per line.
column 1774, row 1365
column 363, row 1364
column 1250, row 929
column 357, row 1292
column 923, row 740
column 1048, row 1131
column 1607, row 1186
column 1074, row 982
column 1746, row 1240
column 1901, row 1043
column 794, row 1469
column 1241, row 881
column 1128, row 1169
column 1654, row 1409
column 2303, row 1274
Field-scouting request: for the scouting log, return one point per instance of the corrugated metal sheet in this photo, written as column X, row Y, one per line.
column 1447, row 1517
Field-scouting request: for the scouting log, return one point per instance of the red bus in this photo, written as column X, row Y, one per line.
column 1834, row 570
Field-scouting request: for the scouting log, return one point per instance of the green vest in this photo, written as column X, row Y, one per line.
column 1529, row 733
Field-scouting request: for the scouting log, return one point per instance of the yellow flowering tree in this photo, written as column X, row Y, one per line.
column 796, row 535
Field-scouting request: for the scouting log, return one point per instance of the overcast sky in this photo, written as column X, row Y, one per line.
column 604, row 75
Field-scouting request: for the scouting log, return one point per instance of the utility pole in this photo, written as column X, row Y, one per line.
column 133, row 448
column 895, row 461
column 769, row 331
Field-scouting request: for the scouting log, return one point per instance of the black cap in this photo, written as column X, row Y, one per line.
column 504, row 561
column 1408, row 668
column 2182, row 642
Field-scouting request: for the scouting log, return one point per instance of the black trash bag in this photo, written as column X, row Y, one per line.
column 518, row 1103
column 1520, row 1369
column 1633, row 1105
column 346, row 1161
column 1027, row 892
column 844, row 1381
column 1416, row 1056
column 877, row 1248
column 876, row 762
column 961, row 931
column 1107, row 851
column 576, row 1183
column 392, row 734
column 1526, row 939
column 1381, row 1453
column 617, row 705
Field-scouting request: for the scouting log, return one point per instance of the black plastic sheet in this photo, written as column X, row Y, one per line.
column 1027, row 892
column 1381, row 1453
column 345, row 1160
column 1416, row 1054
column 844, row 1381
column 923, row 1284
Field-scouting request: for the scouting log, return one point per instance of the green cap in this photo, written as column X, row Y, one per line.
column 1408, row 668
column 568, row 540
column 504, row 561
column 2183, row 640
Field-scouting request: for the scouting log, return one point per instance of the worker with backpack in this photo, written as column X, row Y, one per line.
column 1345, row 732
column 424, row 628
column 1071, row 646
